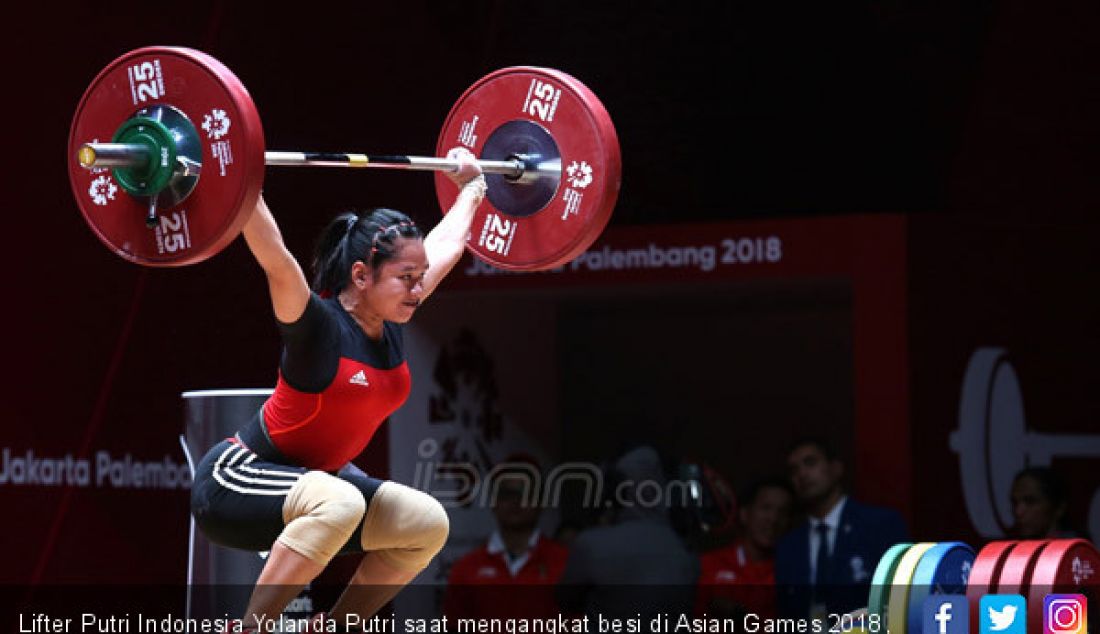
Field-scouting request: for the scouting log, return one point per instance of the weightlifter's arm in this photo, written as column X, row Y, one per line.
column 285, row 280
column 444, row 244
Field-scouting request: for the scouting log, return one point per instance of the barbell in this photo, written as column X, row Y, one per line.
column 167, row 160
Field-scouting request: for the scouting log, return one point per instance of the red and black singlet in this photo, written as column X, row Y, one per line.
column 336, row 386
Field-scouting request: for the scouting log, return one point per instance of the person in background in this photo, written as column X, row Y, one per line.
column 740, row 578
column 824, row 565
column 636, row 566
column 1040, row 497
column 514, row 572
column 567, row 531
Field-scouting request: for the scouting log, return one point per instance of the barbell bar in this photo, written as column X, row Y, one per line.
column 93, row 155
column 168, row 159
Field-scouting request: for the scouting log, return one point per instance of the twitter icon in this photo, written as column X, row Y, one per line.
column 1003, row 614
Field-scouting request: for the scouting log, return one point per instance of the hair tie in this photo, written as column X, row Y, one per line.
column 384, row 230
column 381, row 231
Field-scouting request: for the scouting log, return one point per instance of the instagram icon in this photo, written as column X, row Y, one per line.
column 1065, row 614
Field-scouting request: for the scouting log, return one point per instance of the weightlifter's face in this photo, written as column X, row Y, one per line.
column 397, row 288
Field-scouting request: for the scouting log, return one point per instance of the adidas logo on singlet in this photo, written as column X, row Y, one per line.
column 360, row 378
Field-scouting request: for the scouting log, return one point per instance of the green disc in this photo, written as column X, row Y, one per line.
column 152, row 177
column 883, row 577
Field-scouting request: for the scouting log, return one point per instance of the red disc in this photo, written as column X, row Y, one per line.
column 987, row 565
column 544, row 111
column 1066, row 566
column 984, row 575
column 232, row 141
column 1016, row 571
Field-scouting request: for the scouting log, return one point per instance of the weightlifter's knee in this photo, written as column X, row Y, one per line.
column 404, row 526
column 321, row 513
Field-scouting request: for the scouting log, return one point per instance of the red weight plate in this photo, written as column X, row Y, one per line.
column 582, row 195
column 1016, row 571
column 984, row 575
column 231, row 135
column 987, row 565
column 1066, row 566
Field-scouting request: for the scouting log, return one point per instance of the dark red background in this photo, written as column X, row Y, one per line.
column 978, row 119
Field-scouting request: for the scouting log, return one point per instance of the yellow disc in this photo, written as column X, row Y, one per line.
column 897, row 610
column 86, row 156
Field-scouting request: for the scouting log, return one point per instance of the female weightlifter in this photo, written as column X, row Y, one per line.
column 283, row 482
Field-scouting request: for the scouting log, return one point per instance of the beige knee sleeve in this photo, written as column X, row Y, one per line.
column 321, row 513
column 404, row 526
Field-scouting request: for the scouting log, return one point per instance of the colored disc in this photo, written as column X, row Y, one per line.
column 897, row 614
column 559, row 128
column 884, row 575
column 1065, row 566
column 987, row 568
column 1016, row 570
column 984, row 575
column 201, row 205
column 944, row 569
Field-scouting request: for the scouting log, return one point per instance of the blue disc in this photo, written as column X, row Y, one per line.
column 944, row 569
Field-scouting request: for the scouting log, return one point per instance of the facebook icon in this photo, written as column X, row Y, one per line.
column 946, row 614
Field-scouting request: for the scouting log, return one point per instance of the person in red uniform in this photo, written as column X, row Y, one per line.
column 513, row 574
column 284, row 482
column 740, row 578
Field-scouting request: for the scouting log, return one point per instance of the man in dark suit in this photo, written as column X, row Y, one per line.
column 824, row 566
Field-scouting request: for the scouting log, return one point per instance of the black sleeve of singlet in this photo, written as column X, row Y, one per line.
column 311, row 348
